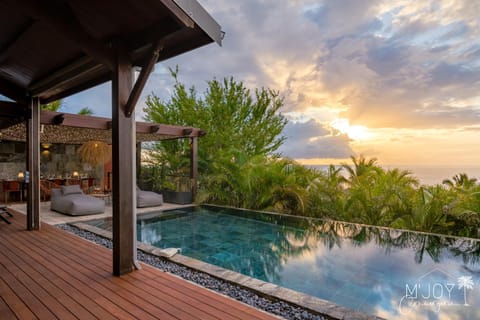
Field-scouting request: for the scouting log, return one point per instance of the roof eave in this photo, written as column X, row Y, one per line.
column 202, row 18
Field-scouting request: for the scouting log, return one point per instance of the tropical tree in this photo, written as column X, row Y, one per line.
column 86, row 111
column 460, row 180
column 327, row 193
column 52, row 106
column 361, row 166
column 240, row 126
column 375, row 196
column 429, row 212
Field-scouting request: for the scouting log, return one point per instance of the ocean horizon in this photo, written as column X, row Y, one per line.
column 426, row 175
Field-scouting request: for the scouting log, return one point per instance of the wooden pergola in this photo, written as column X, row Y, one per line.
column 52, row 49
column 66, row 128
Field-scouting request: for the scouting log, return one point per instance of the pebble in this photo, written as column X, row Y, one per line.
column 249, row 297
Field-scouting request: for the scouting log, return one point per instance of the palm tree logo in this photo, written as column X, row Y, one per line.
column 465, row 282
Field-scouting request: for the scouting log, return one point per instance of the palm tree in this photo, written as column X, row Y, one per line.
column 86, row 111
column 465, row 282
column 361, row 166
column 460, row 180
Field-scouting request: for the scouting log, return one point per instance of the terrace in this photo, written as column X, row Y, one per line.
column 51, row 50
column 53, row 274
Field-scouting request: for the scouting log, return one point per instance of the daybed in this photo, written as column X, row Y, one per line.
column 148, row 198
column 72, row 201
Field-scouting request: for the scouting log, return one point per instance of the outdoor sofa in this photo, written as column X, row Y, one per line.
column 72, row 201
column 148, row 199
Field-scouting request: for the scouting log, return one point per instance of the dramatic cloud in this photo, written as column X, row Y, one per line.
column 396, row 64
column 311, row 140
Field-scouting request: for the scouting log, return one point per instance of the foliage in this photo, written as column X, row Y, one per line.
column 52, row 106
column 86, row 111
column 59, row 104
column 241, row 125
column 238, row 167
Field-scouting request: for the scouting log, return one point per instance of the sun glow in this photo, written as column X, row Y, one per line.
column 354, row 132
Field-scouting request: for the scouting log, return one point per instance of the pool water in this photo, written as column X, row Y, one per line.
column 390, row 273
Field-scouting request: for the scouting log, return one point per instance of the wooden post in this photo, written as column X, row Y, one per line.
column 33, row 164
column 123, row 168
column 138, row 160
column 194, row 165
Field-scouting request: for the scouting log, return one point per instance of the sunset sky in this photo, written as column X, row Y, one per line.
column 398, row 80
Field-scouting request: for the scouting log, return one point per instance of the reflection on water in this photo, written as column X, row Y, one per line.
column 390, row 273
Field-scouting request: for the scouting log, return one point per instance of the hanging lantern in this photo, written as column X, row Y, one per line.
column 94, row 153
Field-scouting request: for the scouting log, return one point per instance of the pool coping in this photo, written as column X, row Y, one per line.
column 310, row 303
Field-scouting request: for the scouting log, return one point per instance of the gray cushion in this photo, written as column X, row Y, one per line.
column 56, row 192
column 73, row 189
column 76, row 204
column 148, row 199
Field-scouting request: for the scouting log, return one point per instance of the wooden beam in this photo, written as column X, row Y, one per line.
column 187, row 131
column 58, row 119
column 14, row 39
column 67, row 73
column 33, row 165
column 73, row 120
column 151, row 34
column 142, row 79
column 12, row 91
column 47, row 97
column 61, row 17
column 123, row 168
column 167, row 130
column 12, row 110
column 178, row 13
column 11, row 113
column 154, row 128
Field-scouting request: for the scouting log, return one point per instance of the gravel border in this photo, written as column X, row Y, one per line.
column 279, row 308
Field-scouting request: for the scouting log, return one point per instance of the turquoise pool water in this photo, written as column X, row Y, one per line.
column 386, row 272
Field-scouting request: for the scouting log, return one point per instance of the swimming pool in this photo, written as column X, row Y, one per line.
column 386, row 272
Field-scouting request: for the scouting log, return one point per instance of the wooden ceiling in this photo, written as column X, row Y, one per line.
column 54, row 48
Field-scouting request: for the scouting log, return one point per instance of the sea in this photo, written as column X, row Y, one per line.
column 428, row 175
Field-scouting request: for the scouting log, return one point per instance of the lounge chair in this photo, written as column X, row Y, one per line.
column 72, row 201
column 148, row 199
column 3, row 209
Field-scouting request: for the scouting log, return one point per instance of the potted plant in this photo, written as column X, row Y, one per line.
column 177, row 190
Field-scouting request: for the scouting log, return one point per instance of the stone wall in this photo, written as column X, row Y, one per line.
column 56, row 160
column 12, row 159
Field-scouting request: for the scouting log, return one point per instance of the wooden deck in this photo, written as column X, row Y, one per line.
column 51, row 274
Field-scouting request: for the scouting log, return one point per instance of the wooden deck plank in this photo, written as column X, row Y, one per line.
column 14, row 303
column 28, row 299
column 132, row 300
column 200, row 309
column 67, row 295
column 5, row 311
column 95, row 280
column 205, row 299
column 168, row 304
column 57, row 263
column 78, row 290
